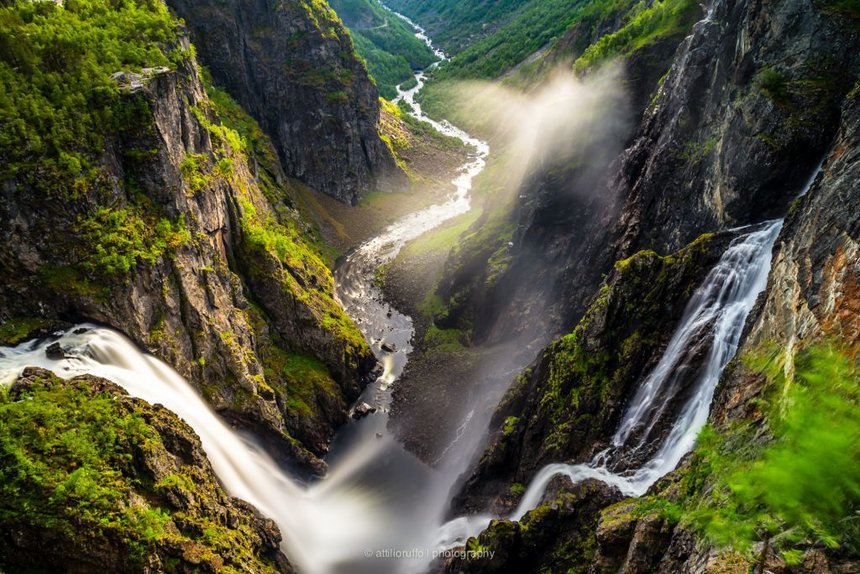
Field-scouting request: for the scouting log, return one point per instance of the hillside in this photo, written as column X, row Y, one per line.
column 387, row 43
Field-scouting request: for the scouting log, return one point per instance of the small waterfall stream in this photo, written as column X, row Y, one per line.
column 377, row 496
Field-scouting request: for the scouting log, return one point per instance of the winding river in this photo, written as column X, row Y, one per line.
column 378, row 509
column 381, row 510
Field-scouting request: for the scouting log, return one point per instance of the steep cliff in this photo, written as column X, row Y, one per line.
column 752, row 103
column 291, row 65
column 568, row 404
column 105, row 481
column 165, row 223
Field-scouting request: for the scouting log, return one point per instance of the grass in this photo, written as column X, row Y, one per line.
column 443, row 239
column 646, row 25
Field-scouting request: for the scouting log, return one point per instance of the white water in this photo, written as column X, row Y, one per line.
column 376, row 496
column 716, row 314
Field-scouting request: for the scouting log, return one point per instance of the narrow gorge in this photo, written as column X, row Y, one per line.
column 430, row 286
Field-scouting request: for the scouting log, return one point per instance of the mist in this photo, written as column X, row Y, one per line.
column 563, row 122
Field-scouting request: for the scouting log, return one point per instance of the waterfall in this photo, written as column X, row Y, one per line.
column 716, row 316
column 378, row 508
column 717, row 312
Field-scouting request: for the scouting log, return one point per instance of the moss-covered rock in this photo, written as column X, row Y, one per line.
column 557, row 536
column 567, row 405
column 95, row 480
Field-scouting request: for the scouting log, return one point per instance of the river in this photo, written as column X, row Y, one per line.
column 379, row 507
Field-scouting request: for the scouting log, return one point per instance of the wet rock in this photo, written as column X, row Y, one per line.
column 388, row 347
column 557, row 536
column 55, row 352
column 362, row 410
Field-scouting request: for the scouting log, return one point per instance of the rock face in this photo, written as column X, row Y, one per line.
column 813, row 290
column 228, row 297
column 569, row 402
column 557, row 536
column 751, row 104
column 291, row 65
column 746, row 112
column 173, row 515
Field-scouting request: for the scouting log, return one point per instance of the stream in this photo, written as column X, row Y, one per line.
column 380, row 509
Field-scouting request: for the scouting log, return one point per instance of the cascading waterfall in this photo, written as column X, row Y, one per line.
column 716, row 316
column 376, row 496
column 717, row 312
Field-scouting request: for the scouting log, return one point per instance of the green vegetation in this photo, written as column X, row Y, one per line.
column 850, row 8
column 387, row 44
column 536, row 24
column 17, row 330
column 59, row 105
column 305, row 380
column 63, row 454
column 58, row 100
column 299, row 270
column 773, row 84
column 645, row 25
column 122, row 238
column 71, row 460
column 454, row 23
column 590, row 368
column 801, row 487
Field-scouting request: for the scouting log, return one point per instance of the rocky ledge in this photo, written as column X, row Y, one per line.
column 94, row 480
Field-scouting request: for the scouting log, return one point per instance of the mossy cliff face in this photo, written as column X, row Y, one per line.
column 568, row 403
column 557, row 536
column 174, row 225
column 94, row 479
column 292, row 66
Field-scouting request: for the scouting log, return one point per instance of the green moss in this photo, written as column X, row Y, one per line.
column 119, row 239
column 303, row 381
column 589, row 368
column 17, row 330
column 510, row 426
column 63, row 454
column 72, row 460
column 443, row 340
column 773, row 84
column 646, row 25
column 518, row 489
column 69, row 280
column 850, row 8
column 302, row 274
